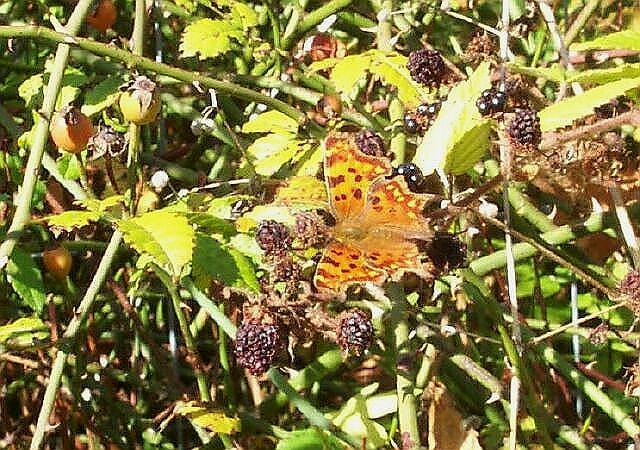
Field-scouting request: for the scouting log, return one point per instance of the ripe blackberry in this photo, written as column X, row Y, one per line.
column 370, row 143
column 446, row 252
column 411, row 125
column 412, row 176
column 524, row 130
column 257, row 346
column 429, row 110
column 426, row 67
column 491, row 101
column 355, row 331
column 310, row 229
column 273, row 237
column 630, row 288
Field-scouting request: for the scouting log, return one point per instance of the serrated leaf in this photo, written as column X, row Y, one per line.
column 622, row 40
column 282, row 214
column 101, row 96
column 69, row 220
column 103, row 205
column 69, row 166
column 457, row 116
column 209, row 38
column 391, row 68
column 26, row 279
column 31, row 90
column 23, row 331
column 210, row 419
column 211, row 224
column 271, row 152
column 348, row 71
column 303, row 192
column 167, row 237
column 569, row 109
column 553, row 73
column 470, row 149
column 243, row 15
column 309, row 439
column 271, row 122
column 211, row 259
column 602, row 76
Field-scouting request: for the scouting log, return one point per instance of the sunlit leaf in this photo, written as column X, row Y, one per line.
column 553, row 73
column 243, row 15
column 458, row 116
column 470, row 149
column 23, row 331
column 69, row 220
column 601, row 76
column 26, row 279
column 167, row 237
column 392, row 70
column 304, row 192
column 209, row 38
column 250, row 220
column 271, row 122
column 572, row 108
column 69, row 166
column 101, row 96
column 210, row 419
column 271, row 152
column 623, row 40
column 309, row 439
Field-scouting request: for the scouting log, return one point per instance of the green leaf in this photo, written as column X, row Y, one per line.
column 622, row 40
column 209, row 38
column 26, row 279
column 554, row 73
column 23, row 331
column 602, row 76
column 348, row 71
column 469, row 149
column 69, row 166
column 271, row 152
column 209, row 419
column 103, row 205
column 211, row 259
column 165, row 236
column 271, row 122
column 457, row 117
column 309, row 439
column 243, row 15
column 571, row 108
column 101, row 96
column 69, row 220
column 392, row 70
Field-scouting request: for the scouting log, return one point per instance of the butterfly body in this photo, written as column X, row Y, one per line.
column 377, row 219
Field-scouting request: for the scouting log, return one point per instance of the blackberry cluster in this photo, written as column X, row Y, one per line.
column 355, row 331
column 273, row 237
column 524, row 130
column 310, row 229
column 480, row 48
column 370, row 143
column 257, row 346
column 630, row 288
column 412, row 176
column 446, row 252
column 420, row 120
column 491, row 101
column 426, row 67
column 612, row 109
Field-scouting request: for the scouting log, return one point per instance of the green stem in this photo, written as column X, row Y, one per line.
column 218, row 316
column 141, row 63
column 69, row 335
column 312, row 19
column 591, row 390
column 398, row 144
column 578, row 24
column 407, row 401
column 41, row 134
column 384, row 27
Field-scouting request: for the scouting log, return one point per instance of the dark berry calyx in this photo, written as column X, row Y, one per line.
column 524, row 130
column 273, row 237
column 411, row 125
column 412, row 176
column 491, row 101
column 257, row 346
column 355, row 331
column 370, row 143
column 426, row 67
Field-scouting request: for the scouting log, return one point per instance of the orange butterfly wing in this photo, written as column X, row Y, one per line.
column 343, row 264
column 349, row 173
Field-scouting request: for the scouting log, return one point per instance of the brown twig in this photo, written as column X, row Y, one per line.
column 551, row 140
column 592, row 373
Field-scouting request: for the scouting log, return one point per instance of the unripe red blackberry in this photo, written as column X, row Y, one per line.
column 370, row 143
column 446, row 252
column 630, row 287
column 355, row 331
column 257, row 346
column 284, row 268
column 412, row 176
column 273, row 237
column 524, row 130
column 491, row 101
column 426, row 67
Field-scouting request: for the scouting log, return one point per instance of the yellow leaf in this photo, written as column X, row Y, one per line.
column 210, row 419
column 271, row 122
column 303, row 191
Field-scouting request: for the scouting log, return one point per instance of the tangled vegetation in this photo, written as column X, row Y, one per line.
column 319, row 225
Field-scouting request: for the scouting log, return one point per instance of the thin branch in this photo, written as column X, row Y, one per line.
column 578, row 24
column 625, row 225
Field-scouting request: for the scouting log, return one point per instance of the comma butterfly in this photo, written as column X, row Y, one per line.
column 377, row 219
